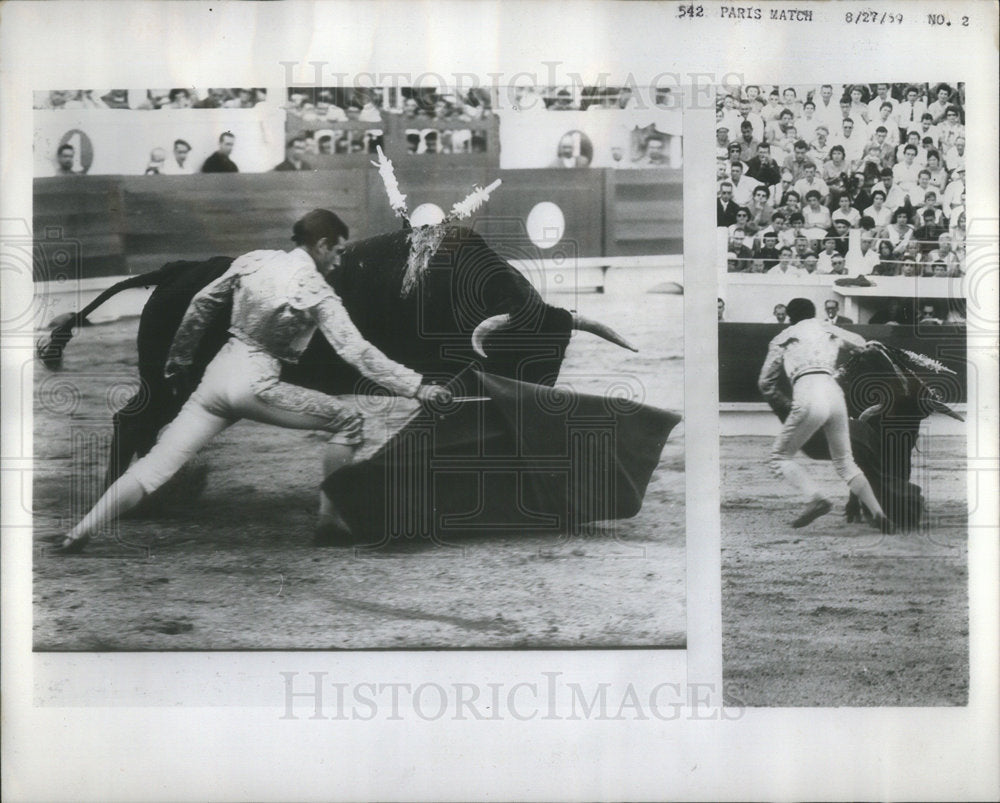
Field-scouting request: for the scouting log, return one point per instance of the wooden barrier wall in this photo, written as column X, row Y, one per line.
column 132, row 224
column 743, row 347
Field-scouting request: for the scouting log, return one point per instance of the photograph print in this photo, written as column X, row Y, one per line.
column 841, row 248
column 341, row 367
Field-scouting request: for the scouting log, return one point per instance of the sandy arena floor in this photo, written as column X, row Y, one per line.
column 836, row 614
column 235, row 569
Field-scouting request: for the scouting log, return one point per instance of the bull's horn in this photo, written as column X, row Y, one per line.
column 485, row 328
column 871, row 412
column 941, row 407
column 601, row 330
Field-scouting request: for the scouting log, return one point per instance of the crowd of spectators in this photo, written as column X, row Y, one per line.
column 178, row 98
column 856, row 179
column 308, row 108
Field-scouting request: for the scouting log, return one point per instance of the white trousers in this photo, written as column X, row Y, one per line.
column 242, row 382
column 817, row 402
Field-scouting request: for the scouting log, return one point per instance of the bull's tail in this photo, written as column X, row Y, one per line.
column 50, row 347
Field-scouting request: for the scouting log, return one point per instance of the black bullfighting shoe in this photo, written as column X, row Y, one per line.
column 882, row 523
column 811, row 512
column 71, row 546
column 330, row 532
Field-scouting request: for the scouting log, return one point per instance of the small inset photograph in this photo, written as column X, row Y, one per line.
column 340, row 368
column 843, row 387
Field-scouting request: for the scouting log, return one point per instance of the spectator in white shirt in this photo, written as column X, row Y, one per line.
column 824, row 261
column 862, row 256
column 905, row 173
column 177, row 163
column 939, row 176
column 785, row 267
column 845, row 211
column 851, row 141
column 743, row 186
column 884, row 120
column 810, row 181
column 951, row 129
column 899, row 232
column 878, row 211
column 882, row 96
column 827, row 109
column 938, row 108
column 894, row 195
column 954, row 193
column 913, row 138
column 773, row 107
column 807, row 123
column 819, row 148
column 859, row 109
column 919, row 192
column 954, row 157
column 790, row 100
column 926, row 130
column 910, row 110
column 816, row 217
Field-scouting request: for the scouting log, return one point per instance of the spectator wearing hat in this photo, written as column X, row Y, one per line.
column 733, row 151
column 722, row 141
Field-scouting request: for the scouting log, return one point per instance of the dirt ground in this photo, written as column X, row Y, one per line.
column 234, row 568
column 836, row 614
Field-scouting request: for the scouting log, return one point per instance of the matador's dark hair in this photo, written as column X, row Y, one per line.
column 799, row 309
column 316, row 225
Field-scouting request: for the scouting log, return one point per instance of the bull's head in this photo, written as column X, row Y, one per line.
column 469, row 305
column 884, row 383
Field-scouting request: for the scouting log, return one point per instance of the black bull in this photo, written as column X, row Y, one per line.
column 888, row 396
column 429, row 329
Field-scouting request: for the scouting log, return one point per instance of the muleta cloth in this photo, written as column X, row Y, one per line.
column 505, row 457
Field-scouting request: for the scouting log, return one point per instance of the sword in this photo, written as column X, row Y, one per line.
column 470, row 398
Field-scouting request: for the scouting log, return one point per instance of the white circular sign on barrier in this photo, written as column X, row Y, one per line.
column 546, row 224
column 426, row 215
